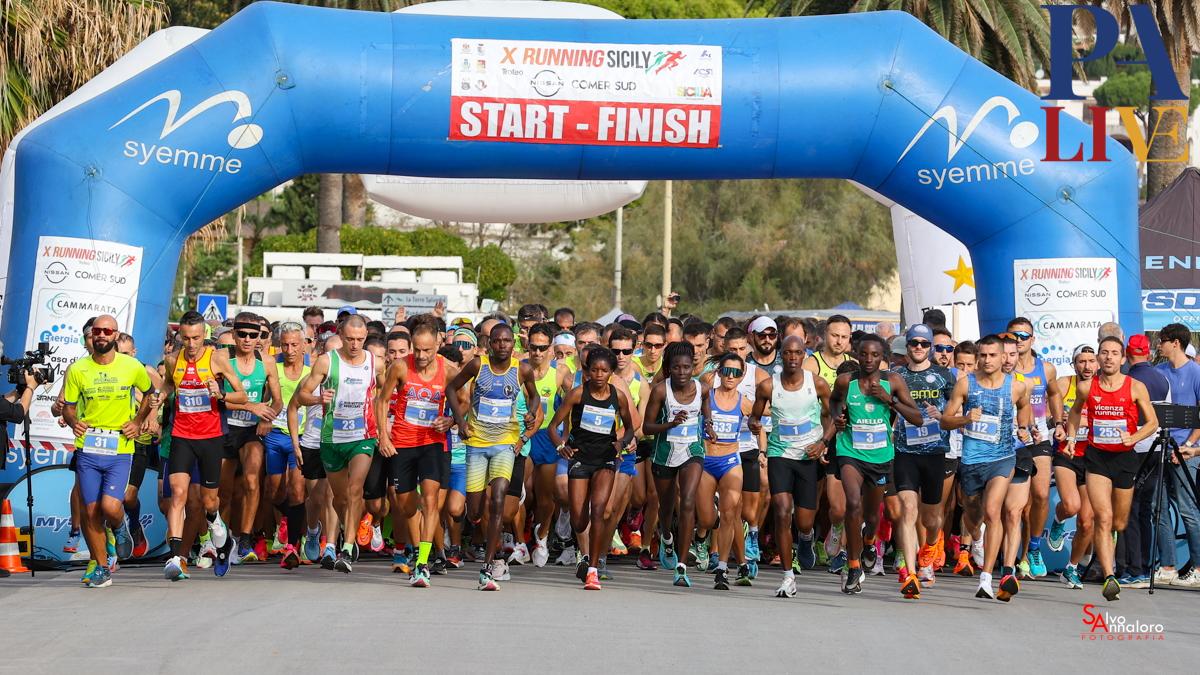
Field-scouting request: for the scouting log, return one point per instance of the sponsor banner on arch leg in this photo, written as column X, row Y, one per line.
column 1161, row 306
column 1067, row 299
column 75, row 280
column 528, row 91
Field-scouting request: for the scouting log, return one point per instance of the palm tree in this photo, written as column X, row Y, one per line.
column 52, row 47
column 1179, row 23
column 1011, row 36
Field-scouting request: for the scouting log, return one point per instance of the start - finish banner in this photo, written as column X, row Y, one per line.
column 529, row 91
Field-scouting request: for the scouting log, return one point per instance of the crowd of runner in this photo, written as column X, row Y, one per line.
column 726, row 448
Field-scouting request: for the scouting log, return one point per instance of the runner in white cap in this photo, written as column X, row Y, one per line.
column 764, row 338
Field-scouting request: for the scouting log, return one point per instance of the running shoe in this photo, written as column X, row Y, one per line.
column 713, row 561
column 1037, row 566
column 101, row 579
column 833, row 541
column 72, row 543
column 869, row 555
column 519, row 555
column 140, row 546
column 911, row 589
column 567, row 557
column 1070, row 577
column 963, row 567
column 877, row 569
column 376, row 539
column 666, row 553
column 645, row 561
column 939, row 552
column 805, row 553
column 312, row 545
column 635, row 540
column 743, row 577
column 400, row 563
column 1189, row 580
column 1136, row 581
column 277, row 545
column 900, row 566
column 208, row 555
column 602, row 569
column 419, row 577
column 753, row 565
column 500, row 570
column 1008, row 588
column 454, row 557
column 1058, row 536
column 1112, row 588
column 977, row 552
column 124, row 540
column 699, row 552
column 787, row 589
column 291, row 559
column 618, row 547
column 925, row 556
column 260, row 549
column 218, row 531
column 591, row 581
column 985, row 588
column 438, row 566
column 721, row 580
column 175, row 569
column 796, row 558
column 822, row 556
column 507, row 544
column 752, row 550
column 88, row 572
column 681, row 577
column 486, row 582
column 329, row 558
column 110, row 549
column 581, row 568
column 838, row 562
column 541, row 553
column 343, row 563
column 952, row 547
column 245, row 552
column 852, row 578
column 364, row 530
column 927, row 575
column 1023, row 570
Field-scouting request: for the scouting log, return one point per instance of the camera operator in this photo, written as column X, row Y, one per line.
column 14, row 410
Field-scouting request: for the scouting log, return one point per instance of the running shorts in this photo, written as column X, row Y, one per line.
column 1042, row 449
column 645, row 449
column 376, row 482
column 336, row 456
column 541, row 449
column 873, row 473
column 102, row 476
column 950, row 466
column 1120, row 467
column 661, row 472
column 920, row 473
column 584, row 468
column 413, row 465
column 312, row 468
column 488, row 463
column 207, row 452
column 975, row 477
column 629, row 464
column 236, row 438
column 166, row 481
column 797, row 477
column 751, row 471
column 145, row 455
column 458, row 478
column 718, row 466
column 1075, row 464
column 1024, row 467
column 279, row 454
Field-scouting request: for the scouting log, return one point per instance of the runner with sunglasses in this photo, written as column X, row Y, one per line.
column 943, row 348
column 648, row 363
column 245, row 424
column 552, row 378
column 620, row 342
column 285, row 484
column 1046, row 401
column 865, row 449
column 197, row 441
column 724, row 411
column 1070, row 472
column 591, row 446
column 764, row 339
column 835, row 351
column 920, row 462
column 673, row 417
column 1113, row 402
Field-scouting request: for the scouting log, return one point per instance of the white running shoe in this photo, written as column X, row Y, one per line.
column 1189, row 580
column 833, row 542
column 519, row 556
column 506, row 546
column 877, row 568
column 500, row 571
column 1165, row 577
column 977, row 552
column 541, row 553
column 376, row 539
column 217, row 532
column 925, row 575
column 787, row 589
column 563, row 526
column 567, row 557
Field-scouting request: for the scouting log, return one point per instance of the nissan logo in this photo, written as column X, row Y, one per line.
column 56, row 272
column 1037, row 295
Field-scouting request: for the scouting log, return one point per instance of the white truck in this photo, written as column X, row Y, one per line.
column 375, row 285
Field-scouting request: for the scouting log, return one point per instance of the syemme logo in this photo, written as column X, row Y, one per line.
column 240, row 137
column 1115, row 627
column 1020, row 135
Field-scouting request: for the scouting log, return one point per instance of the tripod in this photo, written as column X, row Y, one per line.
column 1169, row 417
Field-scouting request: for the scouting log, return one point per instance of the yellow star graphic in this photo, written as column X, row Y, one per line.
column 962, row 275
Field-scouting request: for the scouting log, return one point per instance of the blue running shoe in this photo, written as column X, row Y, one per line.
column 124, row 540
column 312, row 545
column 666, row 554
column 752, row 550
column 329, row 557
column 807, row 555
column 87, row 573
column 681, row 577
column 1070, row 577
column 838, row 562
column 221, row 562
column 101, row 578
column 753, row 565
column 1037, row 566
column 1058, row 536
column 400, row 563
column 713, row 561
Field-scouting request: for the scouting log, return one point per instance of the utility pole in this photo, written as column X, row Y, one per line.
column 617, row 270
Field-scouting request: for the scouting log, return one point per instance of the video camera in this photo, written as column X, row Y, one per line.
column 34, row 363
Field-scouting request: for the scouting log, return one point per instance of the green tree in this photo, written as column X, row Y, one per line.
column 491, row 269
column 436, row 241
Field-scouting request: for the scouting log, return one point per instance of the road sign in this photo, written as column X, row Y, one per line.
column 413, row 303
column 213, row 307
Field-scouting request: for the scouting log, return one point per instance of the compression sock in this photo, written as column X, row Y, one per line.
column 176, row 544
column 1035, row 543
column 423, row 550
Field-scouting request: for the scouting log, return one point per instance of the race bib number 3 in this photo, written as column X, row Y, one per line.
column 597, row 420
column 986, row 429
column 869, row 436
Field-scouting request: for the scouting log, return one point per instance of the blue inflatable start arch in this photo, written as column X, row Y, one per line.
column 282, row 90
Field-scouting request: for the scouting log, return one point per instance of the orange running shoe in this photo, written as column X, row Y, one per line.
column 963, row 567
column 365, row 529
column 939, row 551
column 635, row 540
column 911, row 589
column 593, row 582
column 925, row 556
column 1008, row 588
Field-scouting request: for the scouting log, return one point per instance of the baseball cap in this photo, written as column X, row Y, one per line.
column 761, row 324
column 1081, row 349
column 899, row 345
column 1139, row 345
column 918, row 331
column 1190, row 351
column 349, row 309
column 631, row 324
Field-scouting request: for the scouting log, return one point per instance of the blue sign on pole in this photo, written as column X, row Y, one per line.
column 213, row 307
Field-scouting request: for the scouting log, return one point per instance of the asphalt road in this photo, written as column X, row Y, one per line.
column 261, row 619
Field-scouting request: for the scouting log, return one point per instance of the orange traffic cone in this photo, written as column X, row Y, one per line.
column 10, row 552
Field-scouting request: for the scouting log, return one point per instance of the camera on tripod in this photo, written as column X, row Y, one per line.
column 34, row 363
